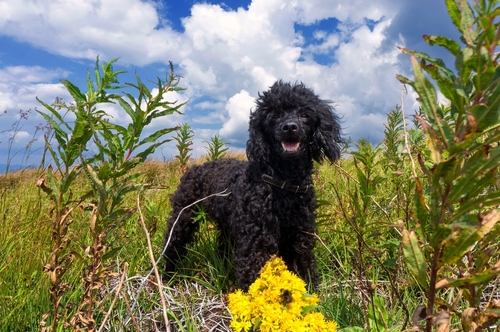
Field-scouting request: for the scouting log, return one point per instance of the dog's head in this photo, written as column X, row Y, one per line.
column 290, row 121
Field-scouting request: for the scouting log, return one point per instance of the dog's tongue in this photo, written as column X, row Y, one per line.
column 290, row 146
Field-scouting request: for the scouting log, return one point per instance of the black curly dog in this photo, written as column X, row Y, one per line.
column 270, row 209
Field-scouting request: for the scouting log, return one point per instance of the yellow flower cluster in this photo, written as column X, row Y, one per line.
column 277, row 301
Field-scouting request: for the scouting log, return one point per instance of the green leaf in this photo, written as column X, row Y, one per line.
column 435, row 61
column 433, row 141
column 53, row 190
column 463, row 238
column 452, row 46
column 494, row 91
column 110, row 76
column 127, row 108
column 478, row 166
column 90, row 87
column 454, row 13
column 439, row 235
column 143, row 89
column 151, row 149
column 156, row 135
column 474, row 279
column 112, row 134
column 428, row 100
column 309, row 309
column 485, row 70
column 421, row 210
column 93, row 176
column 467, row 22
column 377, row 314
column 464, row 63
column 60, row 134
column 167, row 111
column 110, row 253
column 77, row 95
column 55, row 156
column 69, row 179
column 97, row 74
column 414, row 257
column 53, row 112
column 485, row 201
column 447, row 87
column 404, row 79
column 80, row 136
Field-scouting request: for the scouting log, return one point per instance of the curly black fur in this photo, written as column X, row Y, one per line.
column 290, row 127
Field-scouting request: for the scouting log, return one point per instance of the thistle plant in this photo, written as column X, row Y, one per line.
column 109, row 174
column 453, row 249
column 277, row 301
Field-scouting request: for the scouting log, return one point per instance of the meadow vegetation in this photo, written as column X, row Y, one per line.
column 407, row 229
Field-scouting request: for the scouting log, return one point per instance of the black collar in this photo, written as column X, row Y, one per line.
column 283, row 185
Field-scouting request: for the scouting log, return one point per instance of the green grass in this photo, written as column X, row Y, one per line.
column 25, row 238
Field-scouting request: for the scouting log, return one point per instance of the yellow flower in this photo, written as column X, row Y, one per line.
column 276, row 302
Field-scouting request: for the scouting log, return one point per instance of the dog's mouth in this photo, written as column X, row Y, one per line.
column 290, row 146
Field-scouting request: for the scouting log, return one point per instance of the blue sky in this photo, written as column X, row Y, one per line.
column 226, row 53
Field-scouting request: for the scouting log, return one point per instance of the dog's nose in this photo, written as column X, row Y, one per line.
column 290, row 127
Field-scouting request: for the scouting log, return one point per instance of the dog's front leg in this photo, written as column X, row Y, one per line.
column 304, row 260
column 251, row 256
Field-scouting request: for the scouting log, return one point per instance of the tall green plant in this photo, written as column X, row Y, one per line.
column 217, row 148
column 357, row 214
column 454, row 243
column 119, row 149
column 184, row 140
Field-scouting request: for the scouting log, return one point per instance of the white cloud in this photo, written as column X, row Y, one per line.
column 356, row 11
column 239, row 49
column 238, row 108
column 227, row 55
column 252, row 59
column 16, row 97
column 21, row 136
column 85, row 29
column 27, row 74
column 329, row 42
column 20, row 85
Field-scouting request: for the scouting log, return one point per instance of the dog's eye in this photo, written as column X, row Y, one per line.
column 304, row 116
column 276, row 116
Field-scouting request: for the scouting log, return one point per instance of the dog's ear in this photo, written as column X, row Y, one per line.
column 257, row 149
column 326, row 137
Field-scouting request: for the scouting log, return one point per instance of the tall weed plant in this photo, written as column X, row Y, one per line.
column 373, row 204
column 184, row 140
column 452, row 252
column 216, row 148
column 106, row 153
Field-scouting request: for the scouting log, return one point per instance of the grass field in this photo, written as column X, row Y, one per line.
column 352, row 273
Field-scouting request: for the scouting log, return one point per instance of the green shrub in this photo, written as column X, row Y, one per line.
column 452, row 252
column 110, row 176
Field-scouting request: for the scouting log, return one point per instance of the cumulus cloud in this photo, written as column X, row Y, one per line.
column 19, row 85
column 238, row 107
column 85, row 29
column 20, row 124
column 226, row 56
column 30, row 74
column 356, row 11
column 234, row 56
